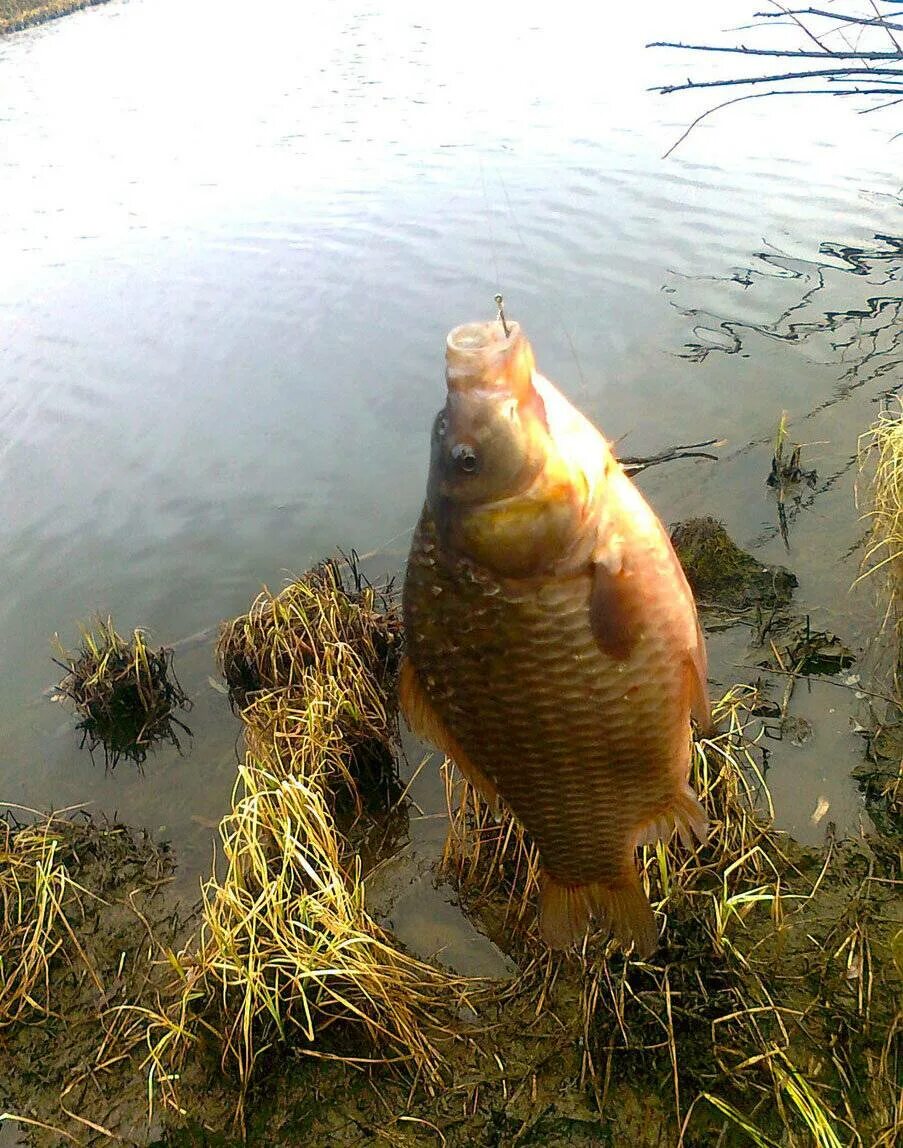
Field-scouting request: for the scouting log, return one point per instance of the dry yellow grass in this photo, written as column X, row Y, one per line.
column 15, row 14
column 287, row 954
column 881, row 457
column 124, row 693
column 36, row 891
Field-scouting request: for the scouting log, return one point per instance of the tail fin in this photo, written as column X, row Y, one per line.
column 565, row 912
column 686, row 814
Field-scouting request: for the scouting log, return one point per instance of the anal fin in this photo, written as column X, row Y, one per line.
column 426, row 723
column 566, row 911
column 685, row 814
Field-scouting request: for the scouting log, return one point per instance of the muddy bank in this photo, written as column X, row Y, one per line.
column 17, row 14
column 571, row 1053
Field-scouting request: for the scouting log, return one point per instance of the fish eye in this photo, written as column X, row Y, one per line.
column 465, row 458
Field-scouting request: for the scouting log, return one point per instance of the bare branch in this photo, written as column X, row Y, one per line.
column 821, row 73
column 845, row 76
column 797, row 52
column 873, row 22
column 633, row 464
column 884, row 24
column 800, row 25
column 881, row 107
column 775, row 92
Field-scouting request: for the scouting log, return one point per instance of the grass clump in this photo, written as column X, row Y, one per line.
column 311, row 670
column 36, row 892
column 881, row 450
column 17, row 14
column 287, row 957
column 124, row 692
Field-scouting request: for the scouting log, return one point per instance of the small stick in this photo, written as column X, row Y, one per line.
column 500, row 303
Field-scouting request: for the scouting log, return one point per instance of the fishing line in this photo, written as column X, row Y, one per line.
column 488, row 206
column 556, row 307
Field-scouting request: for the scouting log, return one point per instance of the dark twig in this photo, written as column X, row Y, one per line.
column 845, row 76
column 742, row 50
column 633, row 464
column 796, row 20
column 873, row 21
column 771, row 92
column 820, row 73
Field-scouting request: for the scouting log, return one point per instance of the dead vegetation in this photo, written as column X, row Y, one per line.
column 81, row 919
column 287, row 955
column 881, row 460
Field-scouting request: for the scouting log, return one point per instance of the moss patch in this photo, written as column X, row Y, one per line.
column 721, row 574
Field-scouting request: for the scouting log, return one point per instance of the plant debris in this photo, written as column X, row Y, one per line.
column 125, row 693
column 803, row 651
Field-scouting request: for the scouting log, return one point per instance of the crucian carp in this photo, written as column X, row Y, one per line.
column 553, row 649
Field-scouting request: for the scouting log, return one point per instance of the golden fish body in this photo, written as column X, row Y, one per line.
column 553, row 649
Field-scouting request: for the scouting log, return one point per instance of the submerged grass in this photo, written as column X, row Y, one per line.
column 124, row 692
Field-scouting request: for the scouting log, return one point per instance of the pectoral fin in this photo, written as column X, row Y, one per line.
column 685, row 814
column 426, row 723
column 615, row 609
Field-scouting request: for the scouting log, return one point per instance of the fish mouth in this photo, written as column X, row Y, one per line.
column 488, row 355
column 480, row 338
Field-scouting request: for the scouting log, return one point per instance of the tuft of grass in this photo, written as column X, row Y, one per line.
column 881, row 451
column 311, row 671
column 36, row 891
column 287, row 956
column 17, row 14
column 124, row 692
column 287, row 950
column 881, row 446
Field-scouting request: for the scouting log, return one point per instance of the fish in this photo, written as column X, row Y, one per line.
column 552, row 645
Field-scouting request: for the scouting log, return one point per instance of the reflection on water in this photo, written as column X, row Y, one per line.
column 226, row 282
column 857, row 346
column 866, row 341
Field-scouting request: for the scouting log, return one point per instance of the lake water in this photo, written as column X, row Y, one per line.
column 230, row 251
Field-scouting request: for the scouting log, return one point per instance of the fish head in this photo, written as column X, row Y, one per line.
column 501, row 492
column 488, row 439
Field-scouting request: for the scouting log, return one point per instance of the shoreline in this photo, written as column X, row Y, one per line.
column 15, row 15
